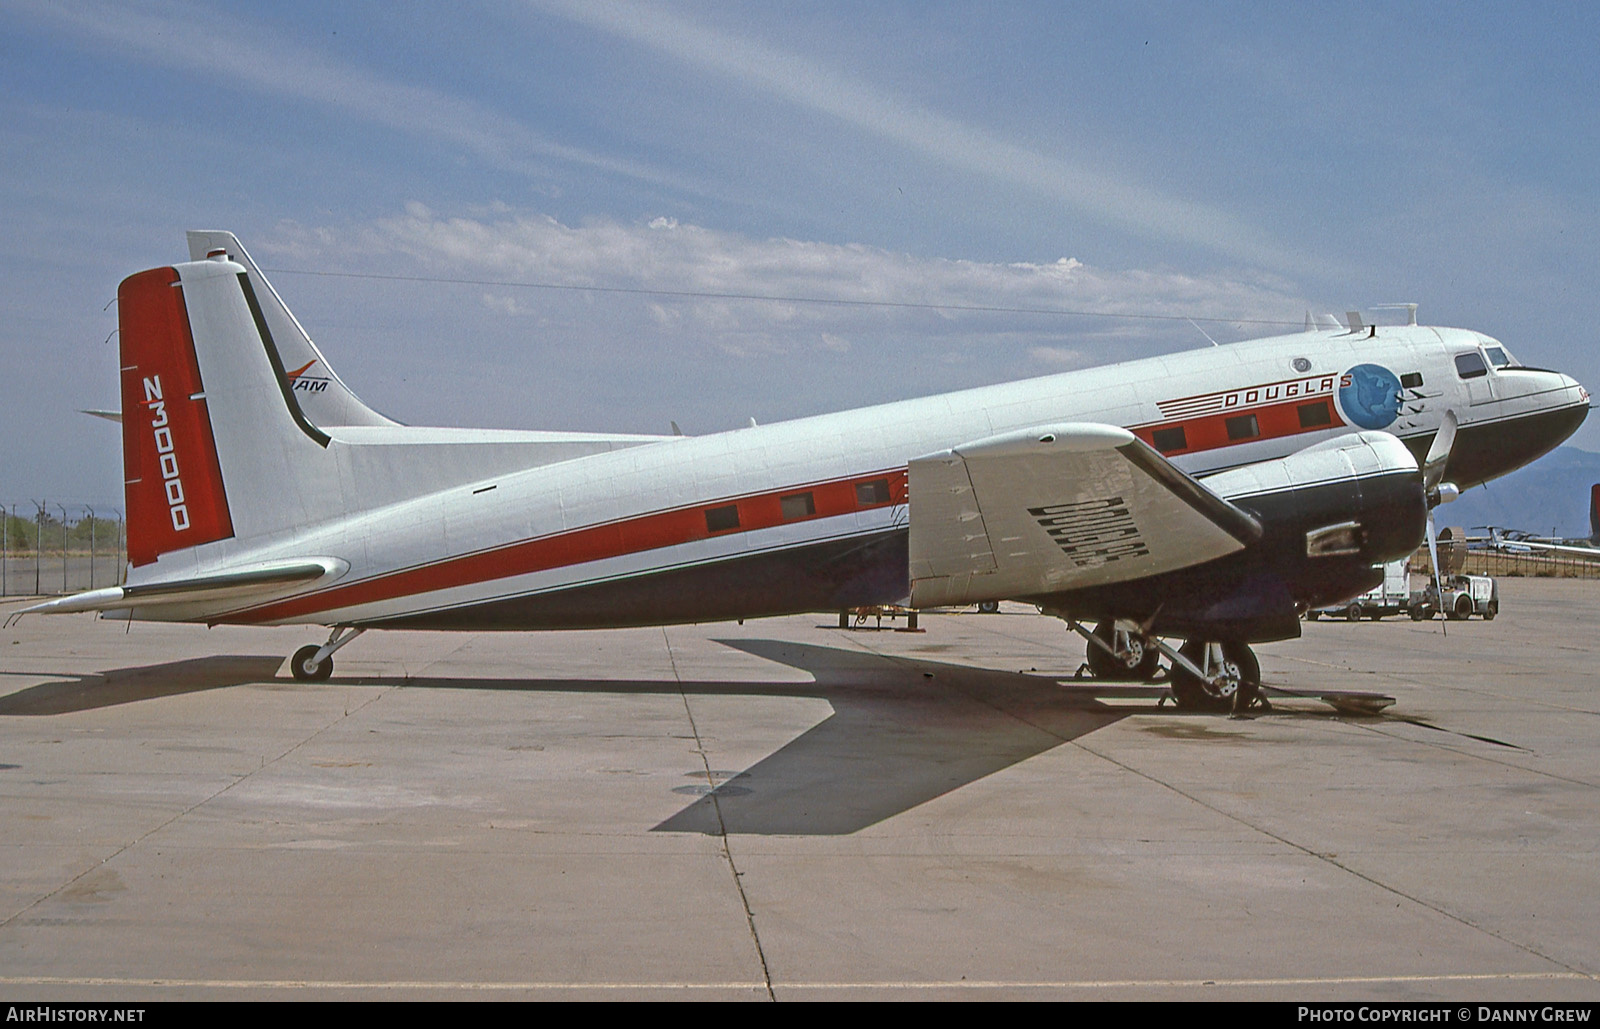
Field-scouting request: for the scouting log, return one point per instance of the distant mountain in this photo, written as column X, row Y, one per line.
column 1550, row 494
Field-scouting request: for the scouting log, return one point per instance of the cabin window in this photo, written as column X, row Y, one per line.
column 1411, row 380
column 1470, row 365
column 874, row 492
column 721, row 519
column 798, row 505
column 1313, row 416
column 1243, row 427
column 1170, row 440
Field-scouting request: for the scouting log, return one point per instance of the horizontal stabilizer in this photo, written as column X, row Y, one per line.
column 245, row 582
column 1055, row 508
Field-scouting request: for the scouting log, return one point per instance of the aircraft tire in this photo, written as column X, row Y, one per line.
column 1193, row 694
column 301, row 668
column 1143, row 660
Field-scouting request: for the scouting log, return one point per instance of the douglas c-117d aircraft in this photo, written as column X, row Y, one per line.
column 1207, row 496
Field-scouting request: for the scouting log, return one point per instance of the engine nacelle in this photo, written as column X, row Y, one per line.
column 1329, row 515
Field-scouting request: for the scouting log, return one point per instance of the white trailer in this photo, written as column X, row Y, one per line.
column 1390, row 597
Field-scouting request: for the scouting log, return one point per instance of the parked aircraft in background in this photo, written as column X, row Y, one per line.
column 1515, row 541
column 1207, row 496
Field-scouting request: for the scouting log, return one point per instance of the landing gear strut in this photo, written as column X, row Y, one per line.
column 1215, row 677
column 1118, row 653
column 313, row 663
column 1205, row 676
column 1122, row 655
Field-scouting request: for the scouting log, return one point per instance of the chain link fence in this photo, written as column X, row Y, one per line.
column 1513, row 564
column 48, row 548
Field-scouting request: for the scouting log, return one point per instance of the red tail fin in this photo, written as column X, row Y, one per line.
column 172, row 479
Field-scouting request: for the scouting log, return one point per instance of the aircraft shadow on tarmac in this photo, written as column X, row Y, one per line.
column 130, row 685
column 902, row 731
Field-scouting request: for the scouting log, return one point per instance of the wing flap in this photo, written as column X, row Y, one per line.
column 1054, row 508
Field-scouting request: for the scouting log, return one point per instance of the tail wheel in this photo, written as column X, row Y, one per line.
column 1136, row 658
column 302, row 668
column 1229, row 667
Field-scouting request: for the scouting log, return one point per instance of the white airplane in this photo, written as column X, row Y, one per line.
column 1207, row 496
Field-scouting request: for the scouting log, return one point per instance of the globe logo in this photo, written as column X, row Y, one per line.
column 1370, row 396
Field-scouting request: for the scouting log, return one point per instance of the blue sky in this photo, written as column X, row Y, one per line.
column 1215, row 161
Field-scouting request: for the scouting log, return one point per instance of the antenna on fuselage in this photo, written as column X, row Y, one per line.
column 1410, row 309
column 1202, row 332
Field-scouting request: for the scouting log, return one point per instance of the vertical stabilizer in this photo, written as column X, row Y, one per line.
column 323, row 396
column 215, row 444
column 172, row 479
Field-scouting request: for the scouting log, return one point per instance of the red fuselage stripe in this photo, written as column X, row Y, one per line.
column 596, row 543
column 1273, row 421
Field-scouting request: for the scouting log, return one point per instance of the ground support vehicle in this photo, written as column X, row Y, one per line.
column 1390, row 597
column 1464, row 596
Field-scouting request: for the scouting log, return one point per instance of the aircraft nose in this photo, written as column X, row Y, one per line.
column 1536, row 410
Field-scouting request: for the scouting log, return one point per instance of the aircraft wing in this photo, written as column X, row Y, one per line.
column 1055, row 508
column 1533, row 546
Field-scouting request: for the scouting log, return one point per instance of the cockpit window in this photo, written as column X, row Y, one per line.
column 1470, row 365
column 1497, row 356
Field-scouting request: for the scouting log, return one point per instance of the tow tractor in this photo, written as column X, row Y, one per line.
column 1464, row 596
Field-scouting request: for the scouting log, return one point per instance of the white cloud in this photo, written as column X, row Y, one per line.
column 1109, row 198
column 663, row 332
column 252, row 57
column 1058, row 358
column 663, row 328
column 715, row 274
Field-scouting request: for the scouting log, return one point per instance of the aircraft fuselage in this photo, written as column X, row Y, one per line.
column 812, row 514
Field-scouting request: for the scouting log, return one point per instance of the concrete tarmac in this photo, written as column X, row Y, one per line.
column 782, row 809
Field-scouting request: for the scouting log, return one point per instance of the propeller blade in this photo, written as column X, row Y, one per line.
column 1433, row 559
column 1439, row 454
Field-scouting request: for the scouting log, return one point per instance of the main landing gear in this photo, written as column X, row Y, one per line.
column 1122, row 655
column 313, row 663
column 1216, row 677
column 1204, row 675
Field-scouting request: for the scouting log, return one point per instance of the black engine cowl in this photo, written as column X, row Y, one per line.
column 1329, row 514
